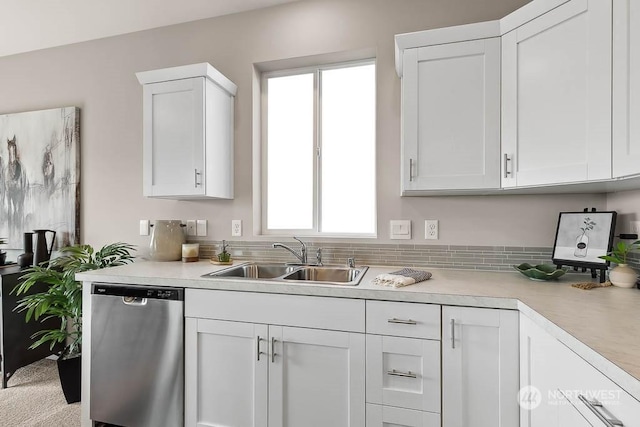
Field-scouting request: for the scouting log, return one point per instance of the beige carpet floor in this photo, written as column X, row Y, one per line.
column 34, row 399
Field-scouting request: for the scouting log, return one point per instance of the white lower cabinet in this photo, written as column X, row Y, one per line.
column 572, row 393
column 252, row 374
column 389, row 416
column 479, row 367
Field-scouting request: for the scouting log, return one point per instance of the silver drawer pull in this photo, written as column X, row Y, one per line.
column 273, row 350
column 403, row 321
column 196, row 174
column 453, row 333
column 593, row 406
column 407, row 374
column 507, row 159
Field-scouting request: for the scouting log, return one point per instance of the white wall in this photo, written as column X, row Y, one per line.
column 98, row 76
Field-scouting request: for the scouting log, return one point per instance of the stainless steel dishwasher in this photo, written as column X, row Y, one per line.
column 137, row 355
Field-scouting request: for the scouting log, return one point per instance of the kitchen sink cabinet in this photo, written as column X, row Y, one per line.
column 187, row 133
column 626, row 88
column 479, row 367
column 260, row 374
column 556, row 97
column 389, row 416
column 450, row 113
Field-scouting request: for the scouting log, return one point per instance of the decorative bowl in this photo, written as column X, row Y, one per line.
column 541, row 272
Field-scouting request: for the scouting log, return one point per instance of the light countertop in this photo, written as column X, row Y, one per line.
column 601, row 325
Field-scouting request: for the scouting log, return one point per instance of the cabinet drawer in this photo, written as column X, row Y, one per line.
column 338, row 314
column 584, row 382
column 388, row 416
column 403, row 319
column 403, row 372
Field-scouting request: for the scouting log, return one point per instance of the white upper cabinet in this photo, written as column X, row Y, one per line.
column 188, row 132
column 626, row 88
column 556, row 96
column 450, row 111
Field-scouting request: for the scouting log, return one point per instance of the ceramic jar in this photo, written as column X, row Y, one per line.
column 623, row 276
column 167, row 238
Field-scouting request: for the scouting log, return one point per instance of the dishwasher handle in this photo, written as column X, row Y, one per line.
column 130, row 300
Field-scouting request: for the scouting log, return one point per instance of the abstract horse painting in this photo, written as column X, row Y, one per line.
column 40, row 174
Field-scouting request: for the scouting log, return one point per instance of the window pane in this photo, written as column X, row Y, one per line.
column 290, row 152
column 348, row 150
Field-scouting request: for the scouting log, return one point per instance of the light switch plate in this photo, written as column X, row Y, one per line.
column 144, row 227
column 201, row 227
column 400, row 229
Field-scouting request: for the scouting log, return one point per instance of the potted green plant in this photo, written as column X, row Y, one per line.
column 3, row 254
column 63, row 300
column 622, row 275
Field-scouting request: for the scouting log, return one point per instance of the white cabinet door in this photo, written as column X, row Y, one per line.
column 541, row 365
column 316, row 378
column 174, row 138
column 451, row 116
column 225, row 374
column 403, row 372
column 556, row 96
column 479, row 367
column 389, row 416
column 626, row 88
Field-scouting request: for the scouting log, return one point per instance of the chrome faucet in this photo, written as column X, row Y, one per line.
column 302, row 256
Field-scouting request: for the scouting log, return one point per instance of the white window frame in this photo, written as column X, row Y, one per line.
column 317, row 141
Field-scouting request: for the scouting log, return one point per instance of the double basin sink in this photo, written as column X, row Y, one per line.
column 328, row 275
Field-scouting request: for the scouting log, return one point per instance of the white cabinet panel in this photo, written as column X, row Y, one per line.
column 626, row 88
column 568, row 415
column 225, row 377
column 403, row 372
column 316, row 378
column 556, row 96
column 451, row 116
column 479, row 367
column 388, row 416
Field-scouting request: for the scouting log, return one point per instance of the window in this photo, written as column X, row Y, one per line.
column 319, row 151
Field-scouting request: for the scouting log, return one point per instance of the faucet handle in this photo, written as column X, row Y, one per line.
column 351, row 262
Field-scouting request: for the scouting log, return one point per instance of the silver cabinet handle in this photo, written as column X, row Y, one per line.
column 407, row 374
column 452, row 322
column 196, row 174
column 410, row 170
column 258, row 352
column 402, row 321
column 273, row 349
column 593, row 406
column 506, row 168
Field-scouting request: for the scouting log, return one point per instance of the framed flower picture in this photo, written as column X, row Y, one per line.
column 582, row 237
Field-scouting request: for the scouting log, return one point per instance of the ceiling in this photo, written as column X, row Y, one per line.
column 27, row 25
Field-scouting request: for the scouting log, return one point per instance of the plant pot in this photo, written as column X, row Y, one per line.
column 623, row 276
column 70, row 371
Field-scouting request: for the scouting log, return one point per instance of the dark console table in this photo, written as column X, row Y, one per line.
column 15, row 333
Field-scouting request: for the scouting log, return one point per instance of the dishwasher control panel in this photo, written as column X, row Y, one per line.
column 173, row 294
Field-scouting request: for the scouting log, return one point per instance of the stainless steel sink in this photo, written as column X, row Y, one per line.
column 254, row 271
column 328, row 275
column 325, row 274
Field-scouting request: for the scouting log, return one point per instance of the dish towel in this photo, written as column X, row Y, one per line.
column 400, row 278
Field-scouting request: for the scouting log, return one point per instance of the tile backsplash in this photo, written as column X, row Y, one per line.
column 403, row 255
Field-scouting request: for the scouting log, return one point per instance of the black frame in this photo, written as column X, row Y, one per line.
column 593, row 266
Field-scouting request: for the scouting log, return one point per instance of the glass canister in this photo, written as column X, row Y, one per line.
column 167, row 238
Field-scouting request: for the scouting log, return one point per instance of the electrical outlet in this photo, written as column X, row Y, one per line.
column 635, row 227
column 144, row 227
column 236, row 228
column 201, row 227
column 191, row 227
column 431, row 229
